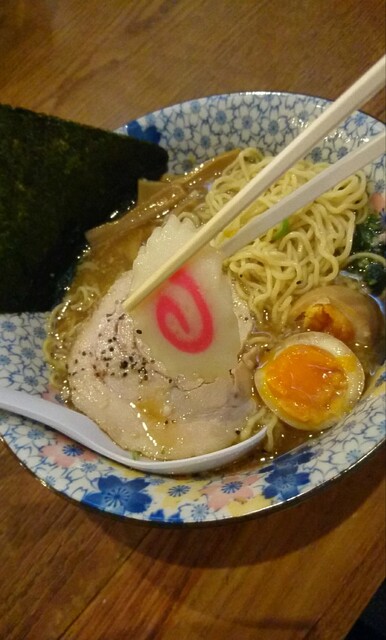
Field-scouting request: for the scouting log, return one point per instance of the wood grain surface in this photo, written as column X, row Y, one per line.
column 70, row 573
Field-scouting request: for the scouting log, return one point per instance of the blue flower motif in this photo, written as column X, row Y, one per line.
column 31, row 380
column 289, row 461
column 160, row 516
column 284, row 485
column 205, row 142
column 35, row 434
column 178, row 490
column 195, row 106
column 187, row 165
column 199, row 512
column 353, row 455
column 273, row 127
column 179, row 134
column 382, row 378
column 8, row 325
column 135, row 130
column 120, row 496
column 304, row 115
column 4, row 360
column 349, row 425
column 271, row 99
column 39, row 332
column 221, row 117
column 285, row 480
column 28, row 353
column 342, row 152
column 232, row 487
column 155, row 481
column 316, row 154
column 359, row 119
column 247, row 122
column 73, row 450
column 87, row 467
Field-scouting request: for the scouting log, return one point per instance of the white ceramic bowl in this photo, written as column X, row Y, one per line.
column 192, row 132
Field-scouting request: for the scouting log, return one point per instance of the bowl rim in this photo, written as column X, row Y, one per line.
column 264, row 510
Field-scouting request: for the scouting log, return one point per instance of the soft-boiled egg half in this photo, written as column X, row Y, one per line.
column 310, row 381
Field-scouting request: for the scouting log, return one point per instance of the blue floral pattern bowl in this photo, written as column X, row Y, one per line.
column 192, row 132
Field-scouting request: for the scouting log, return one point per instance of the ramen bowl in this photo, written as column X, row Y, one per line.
column 193, row 132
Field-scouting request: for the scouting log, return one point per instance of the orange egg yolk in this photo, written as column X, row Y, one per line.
column 307, row 383
column 328, row 319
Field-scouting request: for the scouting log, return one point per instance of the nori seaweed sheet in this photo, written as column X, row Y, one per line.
column 58, row 179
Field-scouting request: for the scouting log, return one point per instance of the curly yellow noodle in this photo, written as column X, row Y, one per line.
column 269, row 274
column 273, row 271
column 364, row 254
column 271, row 422
column 193, row 217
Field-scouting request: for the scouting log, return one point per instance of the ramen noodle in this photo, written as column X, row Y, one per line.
column 306, row 252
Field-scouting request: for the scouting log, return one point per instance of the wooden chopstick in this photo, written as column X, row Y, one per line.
column 361, row 91
column 325, row 180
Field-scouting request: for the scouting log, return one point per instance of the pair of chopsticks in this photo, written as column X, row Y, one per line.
column 361, row 91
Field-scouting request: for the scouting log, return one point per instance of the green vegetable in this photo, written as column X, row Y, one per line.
column 375, row 277
column 369, row 237
column 372, row 273
column 58, row 179
column 282, row 230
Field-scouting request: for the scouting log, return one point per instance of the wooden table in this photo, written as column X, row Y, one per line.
column 66, row 572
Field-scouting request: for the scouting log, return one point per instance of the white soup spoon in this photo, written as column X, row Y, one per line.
column 80, row 428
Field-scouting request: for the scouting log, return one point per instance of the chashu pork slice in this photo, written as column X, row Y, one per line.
column 116, row 382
